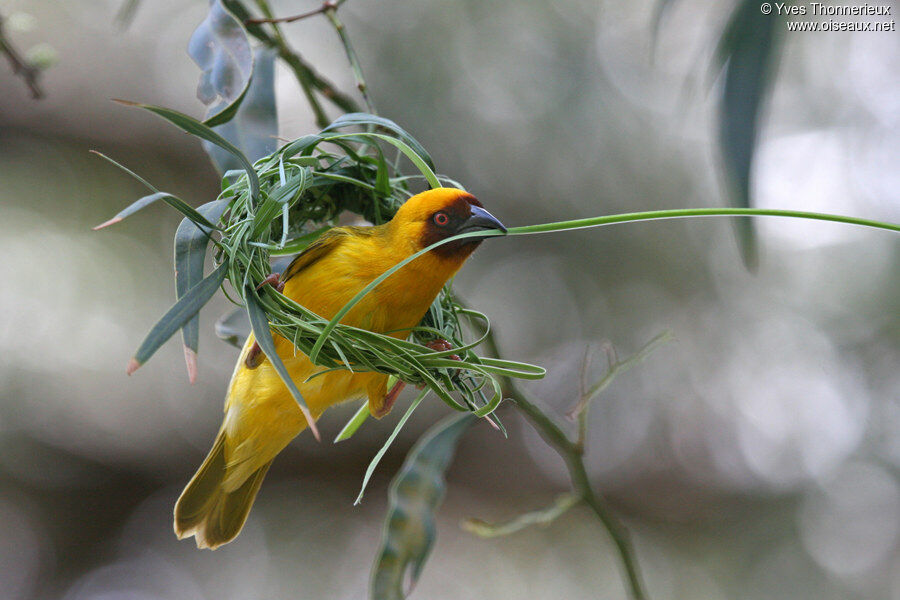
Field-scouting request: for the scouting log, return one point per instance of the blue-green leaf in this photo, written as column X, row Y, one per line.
column 416, row 492
column 175, row 202
column 221, row 48
column 191, row 125
column 748, row 49
column 191, row 242
column 254, row 128
column 233, row 327
column 182, row 311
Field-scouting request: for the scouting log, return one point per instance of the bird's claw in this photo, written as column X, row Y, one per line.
column 274, row 279
column 442, row 345
column 388, row 402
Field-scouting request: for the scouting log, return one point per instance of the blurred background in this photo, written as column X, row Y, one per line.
column 756, row 457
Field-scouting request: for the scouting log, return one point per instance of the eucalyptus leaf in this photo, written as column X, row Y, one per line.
column 182, row 311
column 234, row 327
column 191, row 125
column 416, row 492
column 191, row 242
column 254, row 128
column 748, row 50
column 221, row 48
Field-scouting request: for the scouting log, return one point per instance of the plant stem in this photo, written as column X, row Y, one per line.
column 29, row 73
column 293, row 60
column 331, row 12
column 316, row 11
column 681, row 213
column 308, row 78
column 571, row 453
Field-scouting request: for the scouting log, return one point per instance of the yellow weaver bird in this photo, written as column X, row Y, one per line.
column 261, row 416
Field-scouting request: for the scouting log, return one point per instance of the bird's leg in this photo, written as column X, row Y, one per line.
column 255, row 356
column 274, row 279
column 442, row 345
column 387, row 402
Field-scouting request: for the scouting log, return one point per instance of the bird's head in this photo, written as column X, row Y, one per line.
column 440, row 213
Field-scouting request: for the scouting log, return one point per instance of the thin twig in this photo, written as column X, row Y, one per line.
column 308, row 78
column 571, row 453
column 318, row 11
column 329, row 9
column 615, row 367
column 28, row 72
column 331, row 13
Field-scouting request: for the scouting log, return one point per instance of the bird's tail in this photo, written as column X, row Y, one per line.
column 206, row 510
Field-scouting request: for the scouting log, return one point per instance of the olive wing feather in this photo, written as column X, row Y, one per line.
column 323, row 246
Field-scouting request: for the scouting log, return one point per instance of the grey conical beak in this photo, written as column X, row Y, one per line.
column 481, row 220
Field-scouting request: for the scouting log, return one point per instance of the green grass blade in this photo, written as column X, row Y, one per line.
column 410, row 153
column 355, row 422
column 377, row 458
column 364, row 119
column 298, row 244
column 196, row 128
column 684, row 213
column 260, row 324
column 188, row 306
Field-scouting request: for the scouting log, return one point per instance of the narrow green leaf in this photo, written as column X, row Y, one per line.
column 260, row 324
column 191, row 242
column 132, row 208
column 378, row 456
column 748, row 48
column 420, row 162
column 355, row 422
column 301, row 145
column 687, row 213
column 191, row 125
column 363, row 119
column 298, row 244
column 173, row 201
column 415, row 494
column 188, row 306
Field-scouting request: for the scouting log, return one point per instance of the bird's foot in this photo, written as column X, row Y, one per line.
column 274, row 279
column 442, row 345
column 256, row 356
column 388, row 402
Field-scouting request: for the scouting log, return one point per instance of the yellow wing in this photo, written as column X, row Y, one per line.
column 323, row 246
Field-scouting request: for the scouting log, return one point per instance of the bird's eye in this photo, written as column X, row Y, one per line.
column 441, row 219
